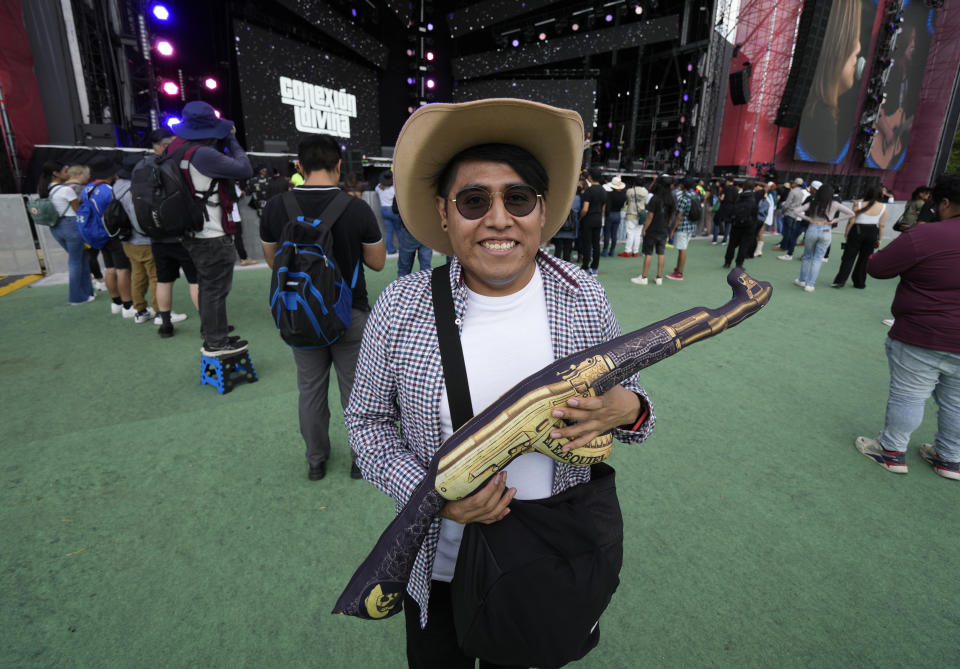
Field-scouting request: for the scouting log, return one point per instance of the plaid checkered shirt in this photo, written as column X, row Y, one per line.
column 683, row 208
column 393, row 416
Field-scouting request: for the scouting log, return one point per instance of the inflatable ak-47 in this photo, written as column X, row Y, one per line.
column 520, row 422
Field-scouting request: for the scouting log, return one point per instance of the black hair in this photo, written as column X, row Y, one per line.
column 319, row 152
column 918, row 191
column 870, row 197
column 947, row 187
column 821, row 200
column 46, row 176
column 519, row 160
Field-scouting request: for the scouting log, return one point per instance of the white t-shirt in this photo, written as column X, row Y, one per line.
column 386, row 196
column 61, row 195
column 504, row 340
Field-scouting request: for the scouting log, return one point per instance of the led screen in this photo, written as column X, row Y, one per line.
column 576, row 94
column 290, row 89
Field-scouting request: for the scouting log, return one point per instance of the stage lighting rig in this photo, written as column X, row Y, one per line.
column 160, row 12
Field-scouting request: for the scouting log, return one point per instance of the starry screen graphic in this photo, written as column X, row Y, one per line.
column 291, row 90
column 576, row 94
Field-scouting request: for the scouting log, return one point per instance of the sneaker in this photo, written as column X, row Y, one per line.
column 144, row 316
column 623, row 254
column 670, row 246
column 888, row 322
column 232, row 347
column 948, row 470
column 836, row 285
column 99, row 285
column 89, row 299
column 676, row 276
column 115, row 308
column 658, row 280
column 594, row 272
column 894, row 461
column 808, row 289
column 355, row 472
column 174, row 318
column 785, row 256
column 825, row 260
column 639, row 280
column 633, row 255
column 247, row 262
column 165, row 331
column 713, row 243
column 798, row 282
column 129, row 313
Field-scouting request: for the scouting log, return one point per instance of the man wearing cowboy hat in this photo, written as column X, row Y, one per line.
column 212, row 167
column 616, row 198
column 486, row 182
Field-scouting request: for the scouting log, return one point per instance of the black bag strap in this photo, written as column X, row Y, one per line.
column 451, row 352
column 328, row 216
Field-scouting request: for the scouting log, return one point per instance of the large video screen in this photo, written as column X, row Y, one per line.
column 290, row 89
column 902, row 90
column 577, row 94
column 829, row 116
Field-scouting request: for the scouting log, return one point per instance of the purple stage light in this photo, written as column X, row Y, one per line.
column 160, row 13
column 515, row 42
column 542, row 36
column 676, row 153
column 170, row 88
column 685, row 97
column 637, row 9
column 353, row 13
column 608, row 18
column 607, row 144
column 164, row 48
column 411, row 53
column 679, row 140
column 216, row 112
column 429, row 26
column 430, row 55
column 431, row 84
column 172, row 121
column 210, row 83
column 411, row 81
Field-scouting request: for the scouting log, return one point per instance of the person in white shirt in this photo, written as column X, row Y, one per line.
column 391, row 221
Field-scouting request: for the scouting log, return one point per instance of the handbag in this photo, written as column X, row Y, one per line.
column 529, row 589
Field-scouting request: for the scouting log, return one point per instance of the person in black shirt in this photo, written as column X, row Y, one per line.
column 356, row 241
column 616, row 198
column 655, row 231
column 594, row 202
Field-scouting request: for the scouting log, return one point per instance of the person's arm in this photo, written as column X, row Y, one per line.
column 584, row 209
column 268, row 237
column 269, row 251
column 894, row 259
column 646, row 223
column 372, row 415
column 802, row 209
column 845, row 212
column 883, row 225
column 374, row 250
column 846, row 231
column 375, row 255
column 219, row 165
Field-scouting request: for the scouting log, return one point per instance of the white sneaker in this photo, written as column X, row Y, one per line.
column 825, row 260
column 888, row 322
column 99, row 285
column 785, row 256
column 144, row 316
column 129, row 313
column 658, row 280
column 798, row 282
column 639, row 280
column 174, row 318
column 115, row 308
column 809, row 289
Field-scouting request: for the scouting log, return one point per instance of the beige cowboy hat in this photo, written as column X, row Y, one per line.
column 437, row 132
column 616, row 183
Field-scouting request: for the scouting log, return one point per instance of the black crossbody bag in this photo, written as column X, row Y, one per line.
column 529, row 590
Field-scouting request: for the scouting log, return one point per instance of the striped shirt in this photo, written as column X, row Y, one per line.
column 394, row 412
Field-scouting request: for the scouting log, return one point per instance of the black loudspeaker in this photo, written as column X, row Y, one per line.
column 740, row 87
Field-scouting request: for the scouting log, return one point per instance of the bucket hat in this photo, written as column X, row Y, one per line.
column 200, row 122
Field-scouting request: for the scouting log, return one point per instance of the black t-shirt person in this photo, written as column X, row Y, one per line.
column 355, row 227
column 596, row 197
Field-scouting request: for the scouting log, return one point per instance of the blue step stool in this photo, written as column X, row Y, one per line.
column 226, row 372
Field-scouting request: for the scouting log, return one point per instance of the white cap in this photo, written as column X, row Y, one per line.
column 815, row 185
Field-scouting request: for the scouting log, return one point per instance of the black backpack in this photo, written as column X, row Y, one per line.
column 115, row 218
column 163, row 198
column 744, row 210
column 311, row 302
column 696, row 211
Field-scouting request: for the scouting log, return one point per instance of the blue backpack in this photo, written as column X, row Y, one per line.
column 93, row 202
column 310, row 300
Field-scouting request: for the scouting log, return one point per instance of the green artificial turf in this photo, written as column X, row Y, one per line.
column 151, row 522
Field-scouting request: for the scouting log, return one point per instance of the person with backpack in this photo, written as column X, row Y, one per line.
column 215, row 159
column 136, row 246
column 95, row 197
column 634, row 216
column 357, row 241
column 65, row 199
column 743, row 225
column 685, row 223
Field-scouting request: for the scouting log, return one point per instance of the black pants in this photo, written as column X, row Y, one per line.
column 93, row 260
column 861, row 242
column 563, row 247
column 741, row 239
column 435, row 646
column 238, row 242
column 214, row 258
column 590, row 246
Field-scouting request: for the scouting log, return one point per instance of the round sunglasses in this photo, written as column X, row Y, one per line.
column 474, row 202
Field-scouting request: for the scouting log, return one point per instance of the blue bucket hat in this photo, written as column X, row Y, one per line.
column 201, row 122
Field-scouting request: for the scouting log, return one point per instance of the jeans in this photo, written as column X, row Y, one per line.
column 313, row 379
column 610, row 229
column 916, row 374
column 68, row 236
column 721, row 222
column 791, row 230
column 410, row 247
column 214, row 258
column 815, row 247
column 391, row 224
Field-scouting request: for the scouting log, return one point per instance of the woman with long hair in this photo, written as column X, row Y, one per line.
column 825, row 130
column 861, row 238
column 51, row 174
column 825, row 213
